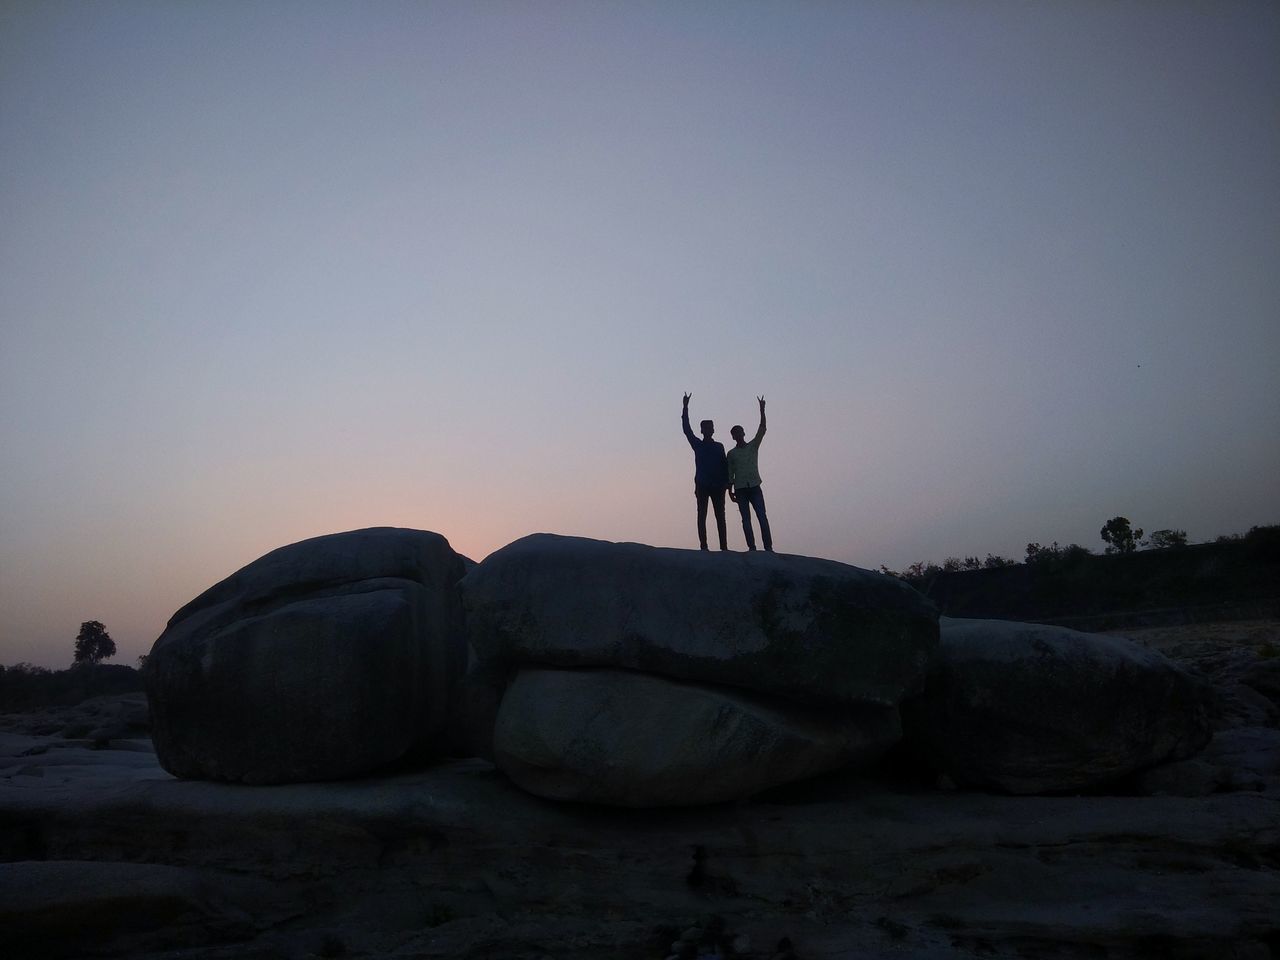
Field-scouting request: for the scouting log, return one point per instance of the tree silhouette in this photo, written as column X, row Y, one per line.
column 1167, row 539
column 93, row 643
column 1119, row 536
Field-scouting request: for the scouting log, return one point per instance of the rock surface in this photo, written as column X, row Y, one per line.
column 1028, row 708
column 323, row 659
column 456, row 862
column 634, row 740
column 793, row 627
column 139, row 907
column 1242, row 758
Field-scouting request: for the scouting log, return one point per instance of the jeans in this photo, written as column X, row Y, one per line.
column 716, row 496
column 749, row 497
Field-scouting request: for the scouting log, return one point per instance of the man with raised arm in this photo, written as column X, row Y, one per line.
column 710, row 478
column 744, row 482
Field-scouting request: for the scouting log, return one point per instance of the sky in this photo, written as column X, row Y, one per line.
column 1002, row 270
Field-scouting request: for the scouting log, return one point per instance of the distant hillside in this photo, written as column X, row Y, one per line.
column 1227, row 579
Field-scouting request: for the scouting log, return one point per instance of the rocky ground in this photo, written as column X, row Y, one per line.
column 106, row 855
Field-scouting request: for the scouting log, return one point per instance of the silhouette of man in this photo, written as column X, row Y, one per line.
column 744, row 482
column 710, row 478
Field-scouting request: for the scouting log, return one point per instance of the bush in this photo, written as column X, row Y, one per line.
column 1167, row 539
column 24, row 687
column 1036, row 554
column 1263, row 543
column 1054, row 557
column 920, row 571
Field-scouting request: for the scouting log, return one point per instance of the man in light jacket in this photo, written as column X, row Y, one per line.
column 744, row 482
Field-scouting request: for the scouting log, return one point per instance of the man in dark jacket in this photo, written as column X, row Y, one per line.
column 710, row 475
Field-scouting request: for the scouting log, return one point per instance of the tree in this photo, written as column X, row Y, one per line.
column 1055, row 558
column 93, row 643
column 1164, row 539
column 1119, row 536
column 1037, row 554
column 1073, row 553
column 921, row 571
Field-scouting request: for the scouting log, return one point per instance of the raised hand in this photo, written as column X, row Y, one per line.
column 687, row 397
column 761, row 399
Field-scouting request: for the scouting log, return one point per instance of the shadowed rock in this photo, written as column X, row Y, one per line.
column 323, row 659
column 1242, row 758
column 71, row 908
column 788, row 626
column 1029, row 708
column 632, row 740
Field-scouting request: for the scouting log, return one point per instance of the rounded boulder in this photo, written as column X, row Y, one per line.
column 323, row 659
column 1032, row 708
column 633, row 740
column 793, row 627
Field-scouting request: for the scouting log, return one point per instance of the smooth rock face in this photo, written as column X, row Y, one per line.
column 788, row 626
column 1029, row 708
column 628, row 739
column 323, row 659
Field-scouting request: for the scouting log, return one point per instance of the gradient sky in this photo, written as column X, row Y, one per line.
column 273, row 270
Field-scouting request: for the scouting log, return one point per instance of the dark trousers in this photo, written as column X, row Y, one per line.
column 716, row 496
column 749, row 497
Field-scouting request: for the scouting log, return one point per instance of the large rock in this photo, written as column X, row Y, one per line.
column 795, row 627
column 1030, row 708
column 323, row 659
column 633, row 740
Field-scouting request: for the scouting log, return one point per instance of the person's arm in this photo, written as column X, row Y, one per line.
column 760, row 432
column 684, row 421
column 733, row 473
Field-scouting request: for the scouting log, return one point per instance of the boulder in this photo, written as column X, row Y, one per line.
column 633, row 740
column 323, row 659
column 1030, row 708
column 794, row 627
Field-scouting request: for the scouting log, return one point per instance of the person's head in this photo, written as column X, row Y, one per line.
column 708, row 428
column 738, row 433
